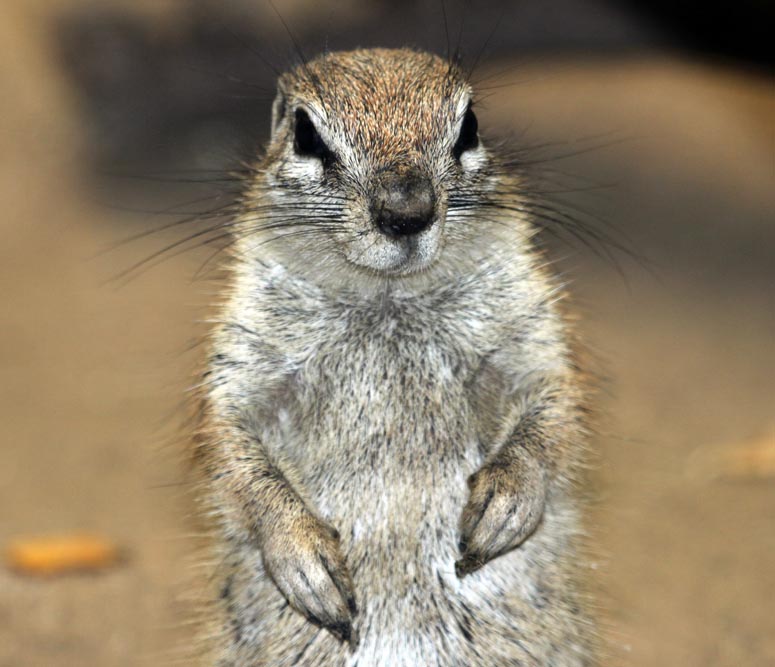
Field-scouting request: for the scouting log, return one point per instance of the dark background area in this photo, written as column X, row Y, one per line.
column 203, row 78
column 658, row 123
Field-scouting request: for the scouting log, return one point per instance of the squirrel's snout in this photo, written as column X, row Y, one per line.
column 403, row 203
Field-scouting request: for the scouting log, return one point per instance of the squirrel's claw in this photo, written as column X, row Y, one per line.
column 305, row 561
column 505, row 505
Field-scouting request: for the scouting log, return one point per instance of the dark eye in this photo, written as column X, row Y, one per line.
column 307, row 141
column 469, row 137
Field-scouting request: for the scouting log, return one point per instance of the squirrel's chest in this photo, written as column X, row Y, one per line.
column 387, row 377
column 385, row 422
column 387, row 394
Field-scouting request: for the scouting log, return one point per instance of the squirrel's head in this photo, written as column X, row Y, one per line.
column 373, row 156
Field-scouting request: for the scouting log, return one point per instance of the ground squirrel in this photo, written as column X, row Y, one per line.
column 393, row 418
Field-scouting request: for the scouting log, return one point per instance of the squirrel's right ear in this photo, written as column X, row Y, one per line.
column 279, row 109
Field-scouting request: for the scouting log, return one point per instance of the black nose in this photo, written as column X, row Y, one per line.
column 403, row 203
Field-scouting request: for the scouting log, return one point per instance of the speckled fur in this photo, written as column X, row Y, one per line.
column 391, row 426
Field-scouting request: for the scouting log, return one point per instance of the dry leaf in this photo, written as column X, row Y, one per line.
column 57, row 555
column 748, row 459
column 755, row 458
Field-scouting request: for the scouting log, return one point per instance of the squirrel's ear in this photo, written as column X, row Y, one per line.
column 279, row 109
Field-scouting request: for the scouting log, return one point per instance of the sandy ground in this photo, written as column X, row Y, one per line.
column 92, row 376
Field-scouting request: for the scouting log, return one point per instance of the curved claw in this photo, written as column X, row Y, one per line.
column 505, row 506
column 305, row 561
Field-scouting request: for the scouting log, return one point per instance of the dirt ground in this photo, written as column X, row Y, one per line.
column 93, row 375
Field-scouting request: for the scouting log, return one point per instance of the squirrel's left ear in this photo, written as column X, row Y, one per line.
column 279, row 108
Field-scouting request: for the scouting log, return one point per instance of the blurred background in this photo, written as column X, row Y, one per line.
column 653, row 121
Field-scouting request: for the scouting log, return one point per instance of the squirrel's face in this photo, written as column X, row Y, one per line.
column 367, row 150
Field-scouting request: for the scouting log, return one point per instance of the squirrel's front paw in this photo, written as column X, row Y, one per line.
column 303, row 556
column 504, row 507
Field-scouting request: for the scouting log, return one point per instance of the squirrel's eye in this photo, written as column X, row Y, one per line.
column 306, row 140
column 469, row 137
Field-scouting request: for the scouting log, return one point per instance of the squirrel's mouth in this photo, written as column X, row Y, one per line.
column 397, row 254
